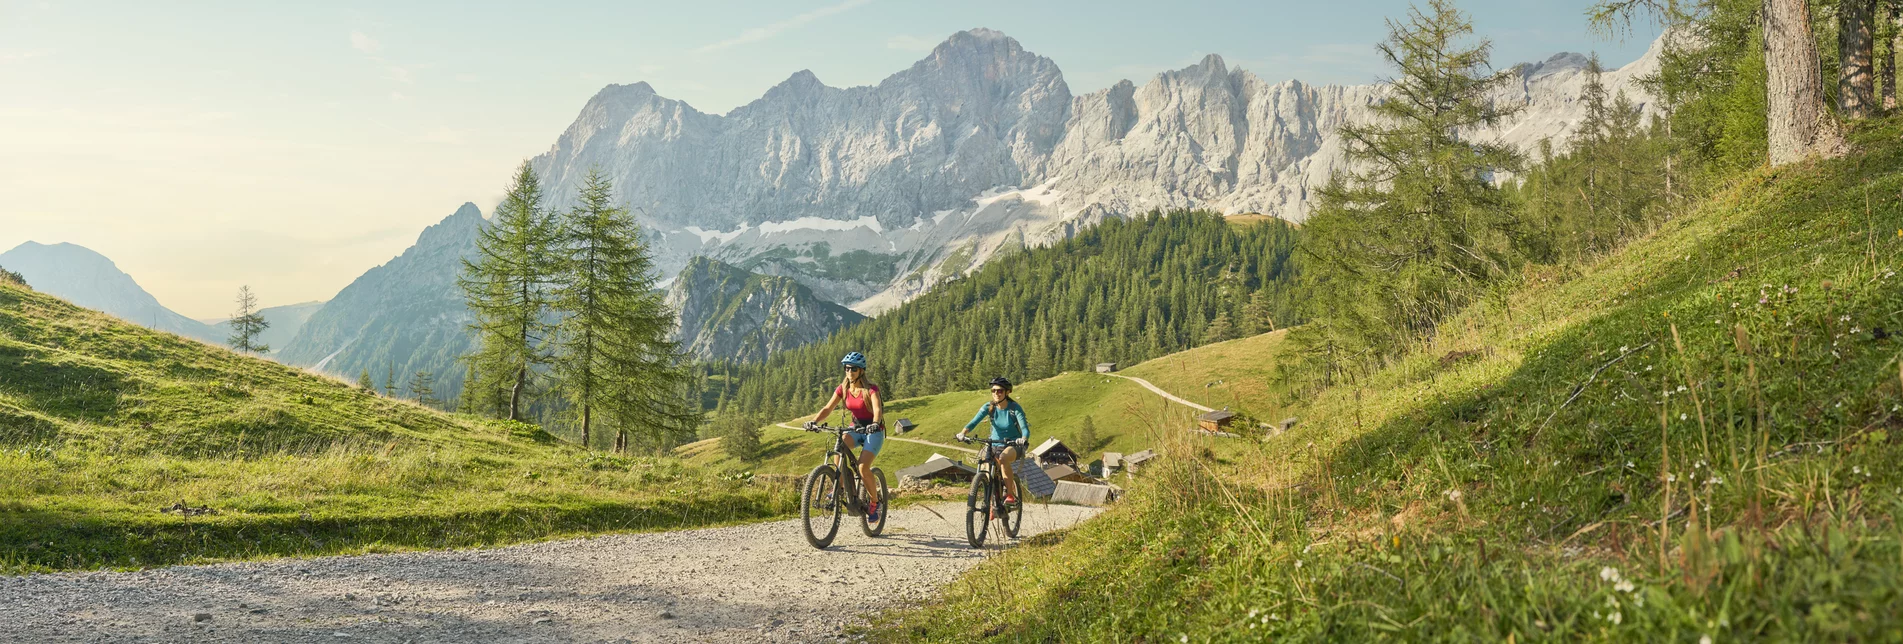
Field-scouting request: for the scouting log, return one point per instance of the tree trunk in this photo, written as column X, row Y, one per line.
column 1886, row 69
column 584, row 426
column 1856, row 84
column 1799, row 125
column 515, row 393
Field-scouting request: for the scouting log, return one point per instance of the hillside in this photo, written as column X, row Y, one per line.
column 1237, row 374
column 102, row 423
column 729, row 313
column 91, row 280
column 1691, row 438
column 285, row 321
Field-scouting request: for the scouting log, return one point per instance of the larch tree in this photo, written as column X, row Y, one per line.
column 507, row 287
column 247, row 324
column 613, row 352
column 1420, row 227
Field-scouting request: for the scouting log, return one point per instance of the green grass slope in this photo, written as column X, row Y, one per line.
column 1127, row 417
column 103, row 423
column 1696, row 436
column 1238, row 374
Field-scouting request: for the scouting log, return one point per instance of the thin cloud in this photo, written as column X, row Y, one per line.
column 363, row 43
column 757, row 34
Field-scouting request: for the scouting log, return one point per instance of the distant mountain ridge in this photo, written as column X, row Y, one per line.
column 399, row 318
column 978, row 147
column 728, row 313
column 86, row 278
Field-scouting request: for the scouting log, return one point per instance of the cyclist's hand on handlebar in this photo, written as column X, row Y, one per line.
column 811, row 426
column 1021, row 442
column 962, row 438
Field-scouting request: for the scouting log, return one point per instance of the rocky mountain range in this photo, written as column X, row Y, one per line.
column 399, row 318
column 727, row 313
column 979, row 147
column 869, row 196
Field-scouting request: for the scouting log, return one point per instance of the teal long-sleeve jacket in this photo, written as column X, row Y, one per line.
column 1007, row 422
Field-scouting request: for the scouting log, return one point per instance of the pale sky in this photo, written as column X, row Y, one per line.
column 205, row 145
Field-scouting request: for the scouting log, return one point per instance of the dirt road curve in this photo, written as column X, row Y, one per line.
column 747, row 583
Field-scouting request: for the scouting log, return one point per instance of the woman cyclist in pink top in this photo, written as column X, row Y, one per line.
column 868, row 414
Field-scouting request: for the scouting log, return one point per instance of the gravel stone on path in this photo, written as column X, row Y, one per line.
column 749, row 583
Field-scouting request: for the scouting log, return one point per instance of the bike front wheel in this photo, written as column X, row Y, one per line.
column 820, row 504
column 1012, row 516
column 872, row 528
column 978, row 510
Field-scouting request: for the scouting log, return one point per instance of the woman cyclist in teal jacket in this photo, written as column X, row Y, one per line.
column 1007, row 424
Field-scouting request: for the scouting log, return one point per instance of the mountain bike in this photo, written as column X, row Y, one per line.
column 986, row 501
column 833, row 487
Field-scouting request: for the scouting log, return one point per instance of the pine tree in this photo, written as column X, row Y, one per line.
column 506, row 287
column 1086, row 436
column 740, row 436
column 364, row 382
column 389, row 381
column 247, row 323
column 423, row 389
column 1413, row 235
column 613, row 351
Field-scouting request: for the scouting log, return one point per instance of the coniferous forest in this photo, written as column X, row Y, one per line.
column 1123, row 291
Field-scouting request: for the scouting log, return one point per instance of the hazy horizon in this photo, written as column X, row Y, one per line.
column 292, row 148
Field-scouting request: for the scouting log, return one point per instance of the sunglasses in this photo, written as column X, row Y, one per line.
column 999, row 391
column 854, row 369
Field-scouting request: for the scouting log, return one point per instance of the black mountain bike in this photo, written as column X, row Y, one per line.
column 833, row 487
column 986, row 501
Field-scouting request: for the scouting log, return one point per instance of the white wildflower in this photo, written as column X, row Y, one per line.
column 1704, row 639
column 1609, row 573
column 1623, row 586
column 1298, row 563
column 1682, row 416
column 1615, row 618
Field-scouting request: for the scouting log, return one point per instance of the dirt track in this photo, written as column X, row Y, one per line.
column 749, row 583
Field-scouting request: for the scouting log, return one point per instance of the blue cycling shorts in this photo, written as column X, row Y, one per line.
column 871, row 442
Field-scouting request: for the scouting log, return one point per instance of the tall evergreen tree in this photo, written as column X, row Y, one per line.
column 247, row 323
column 1393, row 248
column 507, row 288
column 364, row 382
column 613, row 351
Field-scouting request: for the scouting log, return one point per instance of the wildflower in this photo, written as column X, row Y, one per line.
column 1682, row 416
column 1706, row 639
column 1681, row 389
column 1615, row 618
column 1182, row 637
column 1844, row 319
column 1623, row 586
column 1609, row 573
column 1622, row 349
column 1628, row 464
column 1452, row 495
column 1670, row 477
column 1716, row 480
column 1298, row 563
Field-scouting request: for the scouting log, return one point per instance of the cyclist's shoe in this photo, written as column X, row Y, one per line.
column 872, row 513
column 1009, row 499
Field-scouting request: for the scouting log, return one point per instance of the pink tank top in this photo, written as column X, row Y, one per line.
column 861, row 408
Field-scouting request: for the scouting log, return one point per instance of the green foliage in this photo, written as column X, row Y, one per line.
column 740, row 436
column 1606, row 187
column 103, row 422
column 1692, row 436
column 10, row 277
column 507, row 289
column 611, row 351
column 247, row 324
column 1086, row 436
column 1122, row 291
column 1395, row 247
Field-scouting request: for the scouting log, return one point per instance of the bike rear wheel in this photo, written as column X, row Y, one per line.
column 871, row 528
column 978, row 510
column 820, row 504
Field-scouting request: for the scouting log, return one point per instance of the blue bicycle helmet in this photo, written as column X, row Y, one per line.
column 854, row 359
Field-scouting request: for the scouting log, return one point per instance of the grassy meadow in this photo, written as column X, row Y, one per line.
column 104, row 423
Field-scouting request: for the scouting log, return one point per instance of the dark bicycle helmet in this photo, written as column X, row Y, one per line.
column 854, row 359
column 1001, row 382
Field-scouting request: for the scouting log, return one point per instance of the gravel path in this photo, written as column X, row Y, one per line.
column 1159, row 391
column 749, row 583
